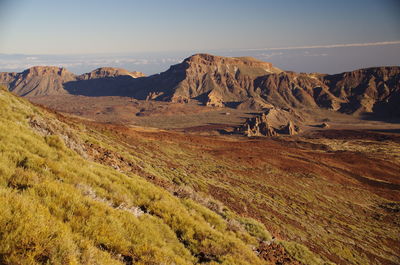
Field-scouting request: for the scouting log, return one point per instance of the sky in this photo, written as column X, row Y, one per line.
column 308, row 35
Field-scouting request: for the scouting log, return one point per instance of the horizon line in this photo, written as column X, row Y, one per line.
column 363, row 44
column 327, row 46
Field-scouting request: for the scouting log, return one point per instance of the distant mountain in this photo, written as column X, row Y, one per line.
column 105, row 72
column 52, row 80
column 242, row 82
column 251, row 84
column 38, row 81
column 374, row 89
column 206, row 78
column 103, row 81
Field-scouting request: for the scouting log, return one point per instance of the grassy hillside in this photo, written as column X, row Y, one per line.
column 59, row 206
column 77, row 192
column 337, row 194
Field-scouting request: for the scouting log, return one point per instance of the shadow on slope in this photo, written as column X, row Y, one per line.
column 107, row 86
column 157, row 87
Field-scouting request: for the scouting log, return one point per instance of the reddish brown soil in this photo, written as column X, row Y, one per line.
column 345, row 194
column 276, row 254
column 340, row 170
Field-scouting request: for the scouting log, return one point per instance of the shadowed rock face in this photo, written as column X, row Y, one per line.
column 242, row 82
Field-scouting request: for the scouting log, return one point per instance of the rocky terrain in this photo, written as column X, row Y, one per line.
column 272, row 122
column 38, row 80
column 206, row 78
column 243, row 83
column 367, row 90
column 105, row 72
column 52, row 80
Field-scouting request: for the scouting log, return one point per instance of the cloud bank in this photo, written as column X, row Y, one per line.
column 80, row 63
column 366, row 44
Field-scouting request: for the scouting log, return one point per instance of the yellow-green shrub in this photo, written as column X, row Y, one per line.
column 60, row 208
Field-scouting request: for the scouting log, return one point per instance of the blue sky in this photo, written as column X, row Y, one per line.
column 170, row 30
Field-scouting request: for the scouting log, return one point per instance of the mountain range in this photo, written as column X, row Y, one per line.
column 243, row 82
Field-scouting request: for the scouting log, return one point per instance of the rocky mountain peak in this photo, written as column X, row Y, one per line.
column 46, row 70
column 208, row 59
column 104, row 72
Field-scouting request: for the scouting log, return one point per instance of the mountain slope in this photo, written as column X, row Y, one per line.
column 60, row 207
column 51, row 80
column 248, row 83
column 367, row 90
column 105, row 72
column 38, row 80
column 241, row 82
column 289, row 89
column 201, row 74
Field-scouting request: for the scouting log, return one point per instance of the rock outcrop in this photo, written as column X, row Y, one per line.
column 214, row 99
column 290, row 129
column 272, row 122
column 324, row 125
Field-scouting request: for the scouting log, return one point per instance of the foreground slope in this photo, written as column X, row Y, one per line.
column 59, row 206
column 337, row 192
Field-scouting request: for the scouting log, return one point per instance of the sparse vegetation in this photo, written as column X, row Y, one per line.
column 59, row 208
column 296, row 194
column 93, row 185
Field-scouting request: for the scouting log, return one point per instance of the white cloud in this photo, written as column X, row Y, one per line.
column 366, row 44
column 315, row 54
column 80, row 63
column 269, row 55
